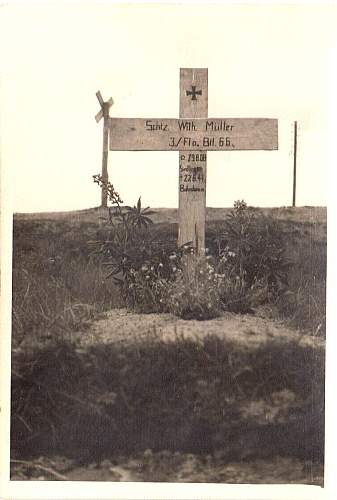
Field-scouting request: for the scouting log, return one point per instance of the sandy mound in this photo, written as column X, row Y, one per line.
column 120, row 325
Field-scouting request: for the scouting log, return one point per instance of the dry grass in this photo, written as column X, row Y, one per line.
column 57, row 285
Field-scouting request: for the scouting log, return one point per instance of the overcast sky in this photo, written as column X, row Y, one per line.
column 263, row 61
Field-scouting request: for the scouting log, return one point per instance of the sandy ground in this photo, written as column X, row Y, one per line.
column 119, row 325
column 250, row 331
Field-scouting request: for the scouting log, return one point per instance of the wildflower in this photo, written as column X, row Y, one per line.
column 160, row 265
column 144, row 268
column 173, row 257
column 147, row 277
column 174, row 269
column 231, row 254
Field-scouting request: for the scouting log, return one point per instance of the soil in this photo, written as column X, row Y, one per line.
column 250, row 331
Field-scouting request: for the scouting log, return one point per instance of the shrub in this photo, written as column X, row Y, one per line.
column 138, row 259
column 144, row 289
column 254, row 247
column 248, row 266
column 194, row 294
column 250, row 252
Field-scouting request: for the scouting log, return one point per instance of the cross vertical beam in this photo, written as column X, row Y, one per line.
column 295, row 154
column 192, row 164
column 104, row 113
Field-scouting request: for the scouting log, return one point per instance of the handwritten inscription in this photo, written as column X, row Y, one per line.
column 191, row 172
column 136, row 134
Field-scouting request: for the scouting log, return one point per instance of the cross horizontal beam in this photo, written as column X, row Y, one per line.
column 198, row 134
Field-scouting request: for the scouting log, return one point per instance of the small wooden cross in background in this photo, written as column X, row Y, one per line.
column 104, row 113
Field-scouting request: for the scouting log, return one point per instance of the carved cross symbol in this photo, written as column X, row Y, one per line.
column 193, row 93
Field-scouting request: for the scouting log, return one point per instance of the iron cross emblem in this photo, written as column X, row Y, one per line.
column 193, row 93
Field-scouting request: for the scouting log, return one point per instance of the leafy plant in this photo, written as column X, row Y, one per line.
column 138, row 260
column 139, row 216
column 194, row 294
column 251, row 251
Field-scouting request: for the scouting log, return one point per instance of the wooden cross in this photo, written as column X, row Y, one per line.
column 192, row 135
column 104, row 113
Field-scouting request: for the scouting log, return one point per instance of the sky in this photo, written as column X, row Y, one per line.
column 264, row 61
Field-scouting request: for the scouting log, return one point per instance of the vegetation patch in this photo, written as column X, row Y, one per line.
column 184, row 395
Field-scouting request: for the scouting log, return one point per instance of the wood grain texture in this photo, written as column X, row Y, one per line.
column 193, row 134
column 193, row 171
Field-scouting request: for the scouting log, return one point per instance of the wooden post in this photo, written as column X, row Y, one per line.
column 104, row 113
column 192, row 164
column 295, row 154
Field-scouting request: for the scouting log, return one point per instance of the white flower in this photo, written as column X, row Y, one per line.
column 160, row 265
column 144, row 268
